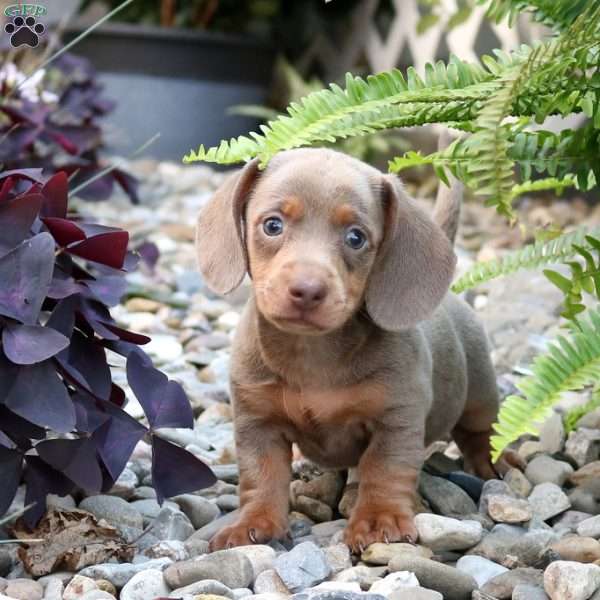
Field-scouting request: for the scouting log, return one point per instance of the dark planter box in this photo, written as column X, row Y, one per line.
column 176, row 82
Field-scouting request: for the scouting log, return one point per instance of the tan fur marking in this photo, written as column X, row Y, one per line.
column 340, row 406
column 293, row 208
column 343, row 214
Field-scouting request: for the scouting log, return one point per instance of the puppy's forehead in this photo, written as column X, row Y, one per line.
column 323, row 181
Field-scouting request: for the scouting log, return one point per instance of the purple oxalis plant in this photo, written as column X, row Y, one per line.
column 60, row 133
column 62, row 423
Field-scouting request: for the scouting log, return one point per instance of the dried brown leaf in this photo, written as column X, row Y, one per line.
column 73, row 539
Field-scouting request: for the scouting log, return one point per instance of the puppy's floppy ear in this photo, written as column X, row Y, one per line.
column 414, row 266
column 220, row 241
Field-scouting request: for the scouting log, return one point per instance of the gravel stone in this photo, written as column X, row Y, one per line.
column 199, row 510
column 144, row 585
column 78, row 586
column 567, row 580
column 583, row 445
column 209, row 530
column 513, row 546
column 443, row 533
column 580, row 549
column 338, row 557
column 314, row 509
column 587, row 476
column 548, row 500
column 363, row 575
column 228, row 502
column 54, row 588
column 518, row 483
column 394, row 582
column 150, row 508
column 584, row 500
column 569, row 520
column 552, row 434
column 451, row 583
column 6, row 561
column 529, row 592
column 204, row 587
column 125, row 485
column 269, row 582
column 502, row 586
column 444, row 496
column 172, row 525
column 304, row 566
column 261, row 557
column 507, row 509
column 381, row 554
column 24, row 589
column 590, row 527
column 326, row 488
column 481, row 569
column 493, row 487
column 467, row 482
column 117, row 512
column 120, row 574
column 334, row 595
column 415, row 594
column 63, row 502
column 545, row 469
column 229, row 567
column 173, row 549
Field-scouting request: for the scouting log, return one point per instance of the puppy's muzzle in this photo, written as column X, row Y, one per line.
column 306, row 293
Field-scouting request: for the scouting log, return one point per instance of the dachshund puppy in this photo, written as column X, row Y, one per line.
column 351, row 345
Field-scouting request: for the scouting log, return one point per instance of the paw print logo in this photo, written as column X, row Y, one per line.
column 24, row 31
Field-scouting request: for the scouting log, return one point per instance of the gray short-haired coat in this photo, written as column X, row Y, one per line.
column 351, row 345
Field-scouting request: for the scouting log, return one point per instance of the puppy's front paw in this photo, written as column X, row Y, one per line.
column 251, row 530
column 369, row 525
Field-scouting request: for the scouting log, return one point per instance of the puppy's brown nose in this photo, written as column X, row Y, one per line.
column 307, row 293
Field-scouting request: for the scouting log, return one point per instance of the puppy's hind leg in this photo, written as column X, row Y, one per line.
column 474, row 428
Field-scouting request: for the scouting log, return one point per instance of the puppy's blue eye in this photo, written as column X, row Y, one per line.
column 355, row 238
column 273, row 226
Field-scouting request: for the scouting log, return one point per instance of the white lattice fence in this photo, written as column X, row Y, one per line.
column 364, row 45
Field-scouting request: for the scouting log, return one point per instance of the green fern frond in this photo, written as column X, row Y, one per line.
column 570, row 364
column 531, row 256
column 492, row 171
column 573, row 416
column 493, row 168
column 570, row 156
column 554, row 13
column 542, row 185
column 389, row 99
column 584, row 277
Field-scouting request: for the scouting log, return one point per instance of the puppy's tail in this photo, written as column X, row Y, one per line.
column 446, row 212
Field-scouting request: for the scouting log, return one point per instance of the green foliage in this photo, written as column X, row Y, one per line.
column 389, row 99
column 532, row 256
column 368, row 147
column 556, row 77
column 498, row 105
column 572, row 417
column 570, row 364
column 584, row 278
column 554, row 13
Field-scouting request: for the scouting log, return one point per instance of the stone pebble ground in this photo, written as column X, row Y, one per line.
column 533, row 536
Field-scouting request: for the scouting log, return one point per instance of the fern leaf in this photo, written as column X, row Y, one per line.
column 531, row 256
column 572, row 417
column 554, row 13
column 388, row 99
column 570, row 364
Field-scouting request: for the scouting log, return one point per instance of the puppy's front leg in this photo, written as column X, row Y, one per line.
column 264, row 458
column 388, row 473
